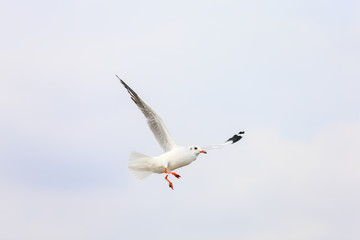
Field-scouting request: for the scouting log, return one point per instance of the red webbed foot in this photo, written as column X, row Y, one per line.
column 170, row 183
column 176, row 175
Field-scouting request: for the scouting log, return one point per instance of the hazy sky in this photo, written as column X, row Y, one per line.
column 285, row 72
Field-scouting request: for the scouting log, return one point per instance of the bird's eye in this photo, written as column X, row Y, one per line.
column 195, row 148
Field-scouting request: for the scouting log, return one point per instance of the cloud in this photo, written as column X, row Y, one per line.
column 264, row 187
column 286, row 73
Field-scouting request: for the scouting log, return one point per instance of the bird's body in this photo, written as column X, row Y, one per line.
column 171, row 160
column 174, row 156
column 174, row 159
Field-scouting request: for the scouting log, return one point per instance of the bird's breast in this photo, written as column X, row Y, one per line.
column 179, row 159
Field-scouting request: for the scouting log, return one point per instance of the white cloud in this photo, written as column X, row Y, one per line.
column 273, row 189
column 286, row 73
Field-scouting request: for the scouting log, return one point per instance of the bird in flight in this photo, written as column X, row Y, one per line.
column 174, row 156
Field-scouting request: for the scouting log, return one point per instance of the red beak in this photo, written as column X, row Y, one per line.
column 202, row 151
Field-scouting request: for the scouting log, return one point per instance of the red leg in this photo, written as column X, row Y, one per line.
column 175, row 174
column 170, row 184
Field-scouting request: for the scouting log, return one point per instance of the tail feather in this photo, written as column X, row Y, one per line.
column 139, row 165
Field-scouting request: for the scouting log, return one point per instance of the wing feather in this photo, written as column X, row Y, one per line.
column 155, row 123
column 230, row 141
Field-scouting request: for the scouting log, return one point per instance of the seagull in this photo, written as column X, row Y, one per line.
column 174, row 156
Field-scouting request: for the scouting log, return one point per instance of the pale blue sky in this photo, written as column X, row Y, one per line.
column 286, row 72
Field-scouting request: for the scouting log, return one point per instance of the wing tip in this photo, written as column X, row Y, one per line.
column 236, row 137
column 120, row 79
column 131, row 92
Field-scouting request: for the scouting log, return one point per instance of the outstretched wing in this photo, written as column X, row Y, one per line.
column 154, row 121
column 230, row 141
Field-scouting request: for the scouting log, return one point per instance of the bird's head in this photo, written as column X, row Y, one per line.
column 196, row 150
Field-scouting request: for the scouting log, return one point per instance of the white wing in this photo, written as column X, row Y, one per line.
column 230, row 141
column 154, row 121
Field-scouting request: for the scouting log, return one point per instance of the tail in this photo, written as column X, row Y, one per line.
column 139, row 165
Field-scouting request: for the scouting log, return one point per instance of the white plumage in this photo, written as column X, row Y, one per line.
column 174, row 156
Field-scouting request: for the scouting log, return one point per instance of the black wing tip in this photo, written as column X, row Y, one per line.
column 120, row 80
column 131, row 92
column 236, row 137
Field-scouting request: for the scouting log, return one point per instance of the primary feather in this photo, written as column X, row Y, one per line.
column 155, row 123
